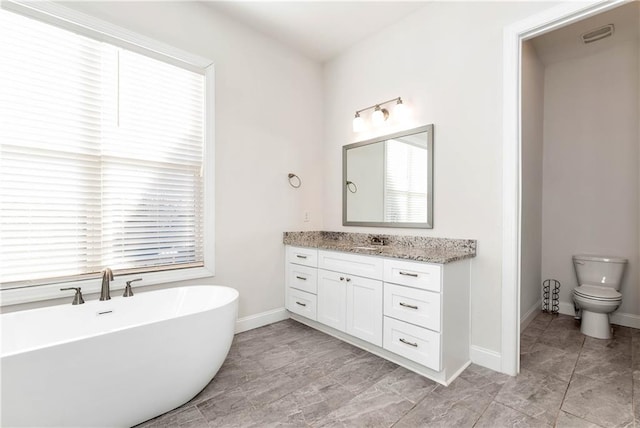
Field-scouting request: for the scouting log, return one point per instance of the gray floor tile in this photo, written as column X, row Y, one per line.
column 321, row 397
column 438, row 411
column 563, row 322
column 407, row 384
column 499, row 415
column 377, row 406
column 271, row 387
column 527, row 343
column 535, row 394
column 565, row 339
column 604, row 362
column 474, row 395
column 224, row 404
column 549, row 360
column 567, row 420
column 358, row 374
column 541, row 321
column 606, row 402
column 482, row 376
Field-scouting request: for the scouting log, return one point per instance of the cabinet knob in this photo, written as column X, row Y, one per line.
column 342, row 278
column 348, row 279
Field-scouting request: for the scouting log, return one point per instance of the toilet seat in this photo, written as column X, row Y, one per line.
column 604, row 294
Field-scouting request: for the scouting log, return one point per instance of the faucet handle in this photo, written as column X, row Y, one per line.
column 128, row 292
column 77, row 299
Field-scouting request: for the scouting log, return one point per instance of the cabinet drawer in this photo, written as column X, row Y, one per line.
column 301, row 303
column 415, row 343
column 420, row 307
column 303, row 278
column 354, row 264
column 302, row 256
column 414, row 274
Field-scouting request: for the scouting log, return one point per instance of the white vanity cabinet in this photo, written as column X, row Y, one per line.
column 347, row 301
column 412, row 313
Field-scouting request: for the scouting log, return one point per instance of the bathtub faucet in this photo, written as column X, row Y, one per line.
column 107, row 275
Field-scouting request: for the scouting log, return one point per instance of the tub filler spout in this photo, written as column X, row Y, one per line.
column 107, row 276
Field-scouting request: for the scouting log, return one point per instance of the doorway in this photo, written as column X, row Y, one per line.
column 514, row 37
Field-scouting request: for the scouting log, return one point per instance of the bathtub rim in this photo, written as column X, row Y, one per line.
column 234, row 293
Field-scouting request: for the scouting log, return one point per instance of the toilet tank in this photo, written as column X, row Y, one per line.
column 604, row 271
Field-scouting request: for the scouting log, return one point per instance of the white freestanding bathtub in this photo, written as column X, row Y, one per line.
column 113, row 363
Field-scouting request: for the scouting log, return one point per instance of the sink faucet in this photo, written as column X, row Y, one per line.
column 107, row 276
column 378, row 240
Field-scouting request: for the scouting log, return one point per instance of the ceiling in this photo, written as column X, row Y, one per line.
column 318, row 30
column 565, row 43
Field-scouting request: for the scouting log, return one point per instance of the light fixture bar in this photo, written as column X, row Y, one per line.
column 397, row 99
column 379, row 116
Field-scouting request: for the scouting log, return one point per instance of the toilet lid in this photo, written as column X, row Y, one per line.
column 598, row 293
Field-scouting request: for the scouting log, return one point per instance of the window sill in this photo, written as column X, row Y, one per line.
column 14, row 296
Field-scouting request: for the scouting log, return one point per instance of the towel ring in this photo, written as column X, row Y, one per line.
column 294, row 180
column 351, row 186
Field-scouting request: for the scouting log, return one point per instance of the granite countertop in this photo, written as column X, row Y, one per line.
column 418, row 248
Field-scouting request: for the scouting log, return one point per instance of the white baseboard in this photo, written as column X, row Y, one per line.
column 261, row 319
column 486, row 358
column 619, row 318
column 527, row 317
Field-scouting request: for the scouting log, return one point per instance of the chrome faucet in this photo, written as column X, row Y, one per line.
column 107, row 276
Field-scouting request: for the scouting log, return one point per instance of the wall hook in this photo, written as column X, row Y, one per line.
column 294, row 180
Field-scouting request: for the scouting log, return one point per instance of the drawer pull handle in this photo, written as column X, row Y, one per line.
column 301, row 256
column 406, row 305
column 301, row 304
column 301, row 277
column 406, row 342
column 415, row 275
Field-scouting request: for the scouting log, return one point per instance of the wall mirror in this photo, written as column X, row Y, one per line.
column 388, row 181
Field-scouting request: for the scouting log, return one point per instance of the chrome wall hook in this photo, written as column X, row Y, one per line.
column 294, row 180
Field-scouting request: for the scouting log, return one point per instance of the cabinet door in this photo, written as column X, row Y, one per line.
column 332, row 299
column 364, row 309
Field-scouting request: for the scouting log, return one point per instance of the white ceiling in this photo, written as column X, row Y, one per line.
column 317, row 29
column 565, row 43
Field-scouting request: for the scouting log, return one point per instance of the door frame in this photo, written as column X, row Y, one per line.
column 513, row 36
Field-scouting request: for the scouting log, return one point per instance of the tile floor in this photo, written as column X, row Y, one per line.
column 289, row 375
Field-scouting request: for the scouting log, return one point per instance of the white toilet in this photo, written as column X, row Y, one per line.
column 597, row 295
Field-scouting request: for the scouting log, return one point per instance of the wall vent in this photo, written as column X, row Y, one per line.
column 597, row 34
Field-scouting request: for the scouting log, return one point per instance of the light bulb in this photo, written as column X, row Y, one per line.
column 379, row 116
column 400, row 112
column 358, row 123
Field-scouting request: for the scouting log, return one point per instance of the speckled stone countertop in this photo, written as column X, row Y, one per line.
column 419, row 248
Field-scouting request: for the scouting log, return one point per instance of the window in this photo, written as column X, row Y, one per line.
column 405, row 180
column 102, row 157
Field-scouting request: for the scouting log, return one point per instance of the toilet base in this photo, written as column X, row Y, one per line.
column 596, row 325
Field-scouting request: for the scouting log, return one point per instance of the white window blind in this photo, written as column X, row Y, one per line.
column 405, row 182
column 101, row 157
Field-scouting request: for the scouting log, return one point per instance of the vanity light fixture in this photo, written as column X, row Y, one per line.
column 380, row 114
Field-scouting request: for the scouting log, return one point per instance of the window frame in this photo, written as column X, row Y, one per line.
column 86, row 25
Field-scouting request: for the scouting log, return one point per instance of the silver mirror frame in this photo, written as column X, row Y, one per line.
column 429, row 223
